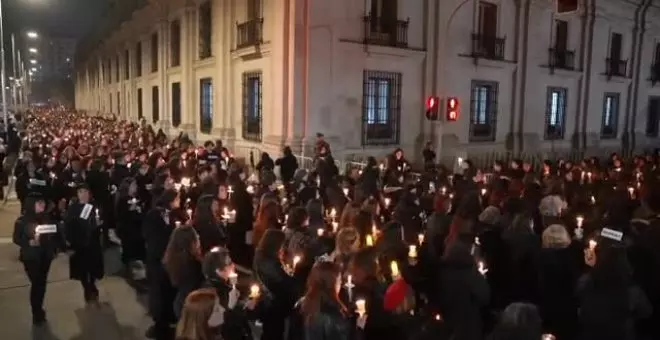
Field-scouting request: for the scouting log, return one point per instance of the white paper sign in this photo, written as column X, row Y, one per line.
column 611, row 234
column 212, row 157
column 37, row 182
column 46, row 229
column 148, row 186
column 86, row 210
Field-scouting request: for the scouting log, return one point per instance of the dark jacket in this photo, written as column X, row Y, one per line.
column 329, row 323
column 24, row 231
column 236, row 324
column 288, row 165
column 84, row 237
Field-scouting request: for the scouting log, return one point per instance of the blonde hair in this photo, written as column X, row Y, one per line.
column 197, row 309
column 556, row 237
column 347, row 241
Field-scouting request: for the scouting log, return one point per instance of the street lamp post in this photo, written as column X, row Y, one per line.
column 3, row 75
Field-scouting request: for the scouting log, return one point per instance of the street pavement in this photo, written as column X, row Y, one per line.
column 121, row 314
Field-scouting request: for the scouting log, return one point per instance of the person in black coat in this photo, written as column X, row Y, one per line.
column 37, row 251
column 83, row 234
column 157, row 228
column 218, row 269
column 211, row 231
column 288, row 165
column 277, row 297
column 130, row 210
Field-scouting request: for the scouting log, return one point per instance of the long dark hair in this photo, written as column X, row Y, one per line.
column 270, row 245
column 204, row 211
column 321, row 285
column 181, row 249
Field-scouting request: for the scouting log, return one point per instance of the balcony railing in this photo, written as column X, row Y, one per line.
column 379, row 31
column 249, row 33
column 561, row 58
column 616, row 68
column 487, row 46
column 655, row 73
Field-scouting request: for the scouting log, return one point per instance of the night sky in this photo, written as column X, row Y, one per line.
column 70, row 18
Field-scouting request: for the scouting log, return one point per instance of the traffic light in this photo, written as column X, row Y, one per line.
column 432, row 108
column 453, row 108
column 567, row 6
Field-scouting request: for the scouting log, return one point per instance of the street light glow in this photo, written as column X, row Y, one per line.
column 34, row 69
column 32, row 50
column 32, row 35
column 33, row 61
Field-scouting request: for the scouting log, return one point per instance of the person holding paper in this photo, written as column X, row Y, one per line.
column 84, row 237
column 33, row 233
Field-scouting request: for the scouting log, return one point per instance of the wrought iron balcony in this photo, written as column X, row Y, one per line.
column 561, row 58
column 249, row 33
column 487, row 46
column 616, row 68
column 379, row 31
column 655, row 73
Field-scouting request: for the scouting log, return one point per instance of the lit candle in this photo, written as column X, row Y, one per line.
column 185, row 181
column 579, row 220
column 296, row 260
column 589, row 176
column 254, row 292
column 233, row 279
column 548, row 337
column 631, row 192
column 369, row 241
column 320, row 232
column 444, row 190
column 412, row 251
column 374, row 229
column 335, row 227
column 592, row 244
column 361, row 307
column 420, row 238
column 387, row 202
column 230, row 190
column 484, row 191
column 381, row 166
column 333, row 213
column 593, row 200
column 190, row 213
column 437, row 317
column 345, row 191
column 250, row 189
column 394, row 268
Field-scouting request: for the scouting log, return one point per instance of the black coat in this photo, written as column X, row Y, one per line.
column 278, row 288
column 84, row 237
column 288, row 165
column 24, row 230
column 329, row 323
column 236, row 324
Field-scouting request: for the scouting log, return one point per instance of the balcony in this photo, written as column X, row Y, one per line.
column 561, row 59
column 384, row 32
column 655, row 73
column 249, row 33
column 487, row 46
column 616, row 68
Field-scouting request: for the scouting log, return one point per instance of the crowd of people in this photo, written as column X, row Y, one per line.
column 514, row 252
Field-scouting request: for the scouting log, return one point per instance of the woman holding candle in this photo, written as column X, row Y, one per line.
column 202, row 314
column 559, row 266
column 277, row 296
column 130, row 212
column 324, row 315
column 182, row 263
column 220, row 274
column 212, row 233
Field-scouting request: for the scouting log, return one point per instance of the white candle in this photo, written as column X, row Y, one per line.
column 579, row 220
column 233, row 278
column 592, row 244
column 320, row 232
column 412, row 251
column 361, row 306
column 370, row 241
column 335, row 227
column 333, row 213
column 296, row 260
column 484, row 191
column 394, row 268
column 420, row 238
column 254, row 291
column 631, row 192
column 444, row 190
column 190, row 212
column 349, row 287
column 250, row 189
column 387, row 202
column 345, row 191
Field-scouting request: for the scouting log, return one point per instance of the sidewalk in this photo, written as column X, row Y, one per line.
column 121, row 314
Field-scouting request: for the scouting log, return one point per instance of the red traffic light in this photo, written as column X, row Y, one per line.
column 453, row 106
column 432, row 108
column 431, row 103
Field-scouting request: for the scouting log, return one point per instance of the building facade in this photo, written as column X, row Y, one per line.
column 268, row 73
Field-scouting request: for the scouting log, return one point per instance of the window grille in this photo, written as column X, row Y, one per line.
column 555, row 113
column 381, row 107
column 176, row 104
column 154, row 52
column 205, row 105
column 155, row 106
column 483, row 111
column 205, row 30
column 175, row 43
column 610, row 120
column 252, row 106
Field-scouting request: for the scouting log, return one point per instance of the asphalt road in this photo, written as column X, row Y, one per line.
column 120, row 315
